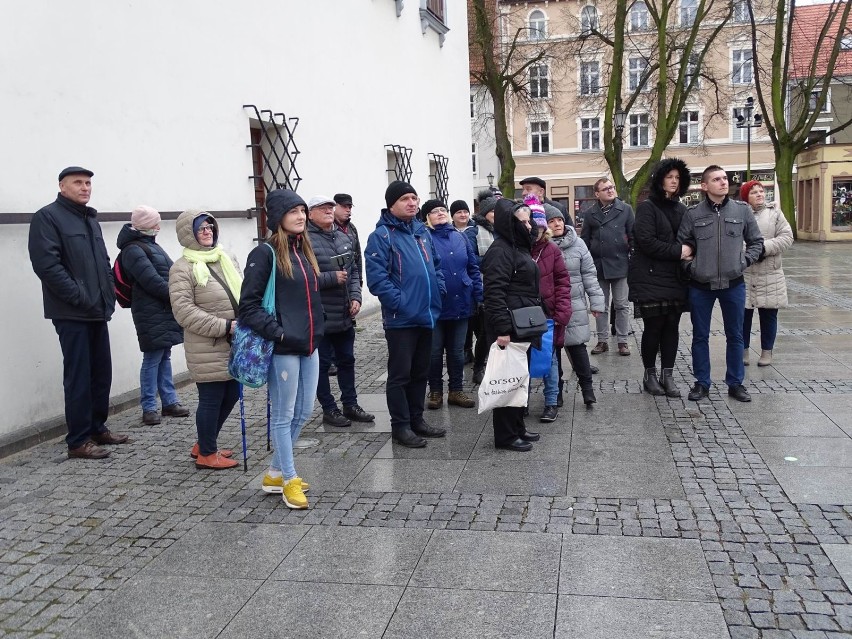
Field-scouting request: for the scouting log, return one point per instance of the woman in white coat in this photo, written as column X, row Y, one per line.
column 766, row 288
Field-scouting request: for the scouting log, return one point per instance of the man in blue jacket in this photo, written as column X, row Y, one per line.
column 403, row 271
column 69, row 256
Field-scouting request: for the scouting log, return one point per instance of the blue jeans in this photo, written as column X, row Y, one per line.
column 340, row 348
column 551, row 381
column 768, row 327
column 156, row 375
column 448, row 335
column 732, row 303
column 292, row 390
column 215, row 402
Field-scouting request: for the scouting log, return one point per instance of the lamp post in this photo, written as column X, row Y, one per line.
column 490, row 178
column 619, row 119
column 749, row 120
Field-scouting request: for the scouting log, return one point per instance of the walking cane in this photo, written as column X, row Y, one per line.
column 243, row 427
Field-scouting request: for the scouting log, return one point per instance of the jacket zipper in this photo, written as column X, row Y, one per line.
column 310, row 310
column 426, row 271
column 719, row 247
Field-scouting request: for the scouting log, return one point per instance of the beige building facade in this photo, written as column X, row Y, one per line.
column 557, row 133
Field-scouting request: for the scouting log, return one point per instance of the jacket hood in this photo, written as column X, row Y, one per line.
column 568, row 238
column 186, row 237
column 481, row 220
column 129, row 234
column 278, row 202
column 662, row 169
column 507, row 226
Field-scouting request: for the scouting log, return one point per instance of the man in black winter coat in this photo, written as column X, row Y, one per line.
column 69, row 256
column 340, row 290
column 343, row 219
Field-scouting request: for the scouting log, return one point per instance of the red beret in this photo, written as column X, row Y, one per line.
column 746, row 188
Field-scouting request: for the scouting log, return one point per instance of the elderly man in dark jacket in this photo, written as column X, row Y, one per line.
column 69, row 256
column 147, row 265
column 608, row 232
column 340, row 289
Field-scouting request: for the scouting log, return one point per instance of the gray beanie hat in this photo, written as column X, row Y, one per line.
column 487, row 205
column 551, row 212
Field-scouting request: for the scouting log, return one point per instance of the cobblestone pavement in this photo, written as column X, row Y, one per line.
column 644, row 517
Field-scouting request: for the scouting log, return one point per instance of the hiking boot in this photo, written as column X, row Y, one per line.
column 668, row 383
column 459, row 398
column 765, row 358
column 478, row 375
column 175, row 410
column 88, row 451
column 651, row 384
column 408, row 439
column 214, row 462
column 425, row 430
column 335, row 418
column 151, row 417
column 195, row 451
column 274, row 485
column 434, row 401
column 107, row 437
column 550, row 414
column 357, row 414
column 293, row 494
column 600, row 347
column 623, row 349
column 698, row 392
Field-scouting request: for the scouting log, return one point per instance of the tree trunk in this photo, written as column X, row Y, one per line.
column 785, row 158
column 506, row 181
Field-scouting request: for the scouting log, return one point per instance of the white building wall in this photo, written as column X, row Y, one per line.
column 482, row 133
column 149, row 95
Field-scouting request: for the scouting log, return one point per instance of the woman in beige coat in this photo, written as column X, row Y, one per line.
column 204, row 287
column 766, row 288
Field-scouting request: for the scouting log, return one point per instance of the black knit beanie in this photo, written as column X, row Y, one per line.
column 458, row 205
column 396, row 190
column 427, row 208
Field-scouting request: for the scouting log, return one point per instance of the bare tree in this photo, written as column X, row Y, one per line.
column 675, row 49
column 502, row 59
column 792, row 90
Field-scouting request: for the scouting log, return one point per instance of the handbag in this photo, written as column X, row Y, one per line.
column 529, row 322
column 541, row 359
column 506, row 380
column 251, row 353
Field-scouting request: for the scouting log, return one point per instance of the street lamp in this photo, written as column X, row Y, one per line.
column 619, row 119
column 749, row 120
column 490, row 178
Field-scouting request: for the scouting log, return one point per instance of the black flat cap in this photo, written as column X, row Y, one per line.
column 343, row 198
column 74, row 170
column 534, row 180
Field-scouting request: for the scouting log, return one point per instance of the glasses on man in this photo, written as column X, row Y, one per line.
column 205, row 228
column 606, row 189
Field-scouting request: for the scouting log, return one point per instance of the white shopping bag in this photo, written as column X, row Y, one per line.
column 507, row 377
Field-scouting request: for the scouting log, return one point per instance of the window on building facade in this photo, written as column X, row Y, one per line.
column 688, row 127
column 537, row 25
column 818, row 136
column 590, row 133
column 588, row 19
column 688, row 12
column 692, row 70
column 472, row 107
column 846, row 42
column 636, row 69
column 540, row 136
column 740, row 12
column 738, row 134
column 638, row 16
column 538, row 81
column 638, row 129
column 399, row 162
column 814, row 98
column 743, row 71
column 590, row 78
column 439, row 176
column 473, row 159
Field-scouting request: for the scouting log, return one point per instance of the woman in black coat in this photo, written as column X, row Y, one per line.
column 510, row 278
column 657, row 289
column 147, row 265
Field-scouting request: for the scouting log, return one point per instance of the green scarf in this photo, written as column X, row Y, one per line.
column 200, row 260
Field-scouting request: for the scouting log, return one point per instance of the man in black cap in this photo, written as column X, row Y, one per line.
column 343, row 219
column 538, row 187
column 403, row 271
column 69, row 256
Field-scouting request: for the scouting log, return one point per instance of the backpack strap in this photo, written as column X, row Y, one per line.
column 141, row 244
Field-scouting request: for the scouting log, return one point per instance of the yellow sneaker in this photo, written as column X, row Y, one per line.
column 293, row 495
column 274, row 484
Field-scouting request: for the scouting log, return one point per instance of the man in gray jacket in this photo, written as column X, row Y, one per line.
column 716, row 229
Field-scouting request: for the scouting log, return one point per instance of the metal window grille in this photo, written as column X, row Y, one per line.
column 401, row 169
column 274, row 154
column 441, row 177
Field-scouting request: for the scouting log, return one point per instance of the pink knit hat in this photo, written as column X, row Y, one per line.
column 144, row 218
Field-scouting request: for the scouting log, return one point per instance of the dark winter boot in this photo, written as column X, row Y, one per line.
column 668, row 383
column 649, row 381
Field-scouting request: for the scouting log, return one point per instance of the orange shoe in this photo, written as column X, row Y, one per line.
column 214, row 462
column 224, row 452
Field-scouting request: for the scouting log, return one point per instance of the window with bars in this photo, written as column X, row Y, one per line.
column 273, row 153
column 590, row 133
column 399, row 162
column 439, row 176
